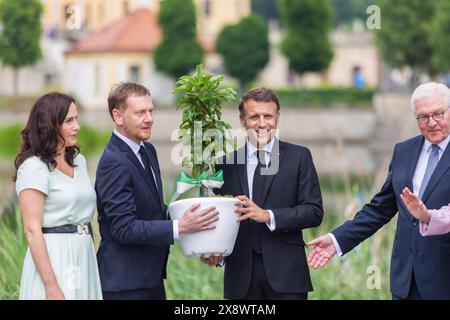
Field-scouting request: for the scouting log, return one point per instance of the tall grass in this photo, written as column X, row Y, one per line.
column 350, row 276
column 13, row 245
column 191, row 279
column 343, row 278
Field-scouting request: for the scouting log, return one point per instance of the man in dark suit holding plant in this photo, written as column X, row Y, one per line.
column 277, row 189
column 135, row 230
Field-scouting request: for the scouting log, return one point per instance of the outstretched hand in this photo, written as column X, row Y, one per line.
column 323, row 251
column 415, row 206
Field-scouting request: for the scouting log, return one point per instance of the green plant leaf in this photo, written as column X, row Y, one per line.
column 202, row 97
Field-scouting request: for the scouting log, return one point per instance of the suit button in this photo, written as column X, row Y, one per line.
column 411, row 250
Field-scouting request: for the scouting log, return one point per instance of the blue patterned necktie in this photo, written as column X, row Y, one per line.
column 433, row 160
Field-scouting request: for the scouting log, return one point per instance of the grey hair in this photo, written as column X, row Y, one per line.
column 428, row 90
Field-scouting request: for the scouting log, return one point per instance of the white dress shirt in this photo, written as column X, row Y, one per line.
column 252, row 162
column 135, row 147
column 419, row 173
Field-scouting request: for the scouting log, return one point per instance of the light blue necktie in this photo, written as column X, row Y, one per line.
column 433, row 160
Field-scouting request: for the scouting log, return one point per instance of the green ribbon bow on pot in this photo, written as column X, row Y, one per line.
column 186, row 182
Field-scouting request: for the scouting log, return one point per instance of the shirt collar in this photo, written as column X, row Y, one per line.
column 442, row 145
column 251, row 149
column 132, row 144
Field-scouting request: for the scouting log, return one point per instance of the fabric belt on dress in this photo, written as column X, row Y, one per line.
column 69, row 228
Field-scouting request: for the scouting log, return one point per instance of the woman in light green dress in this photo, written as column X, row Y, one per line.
column 57, row 202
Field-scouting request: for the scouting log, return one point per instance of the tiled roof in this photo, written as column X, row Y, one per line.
column 136, row 32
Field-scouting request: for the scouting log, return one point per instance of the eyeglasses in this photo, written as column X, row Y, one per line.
column 437, row 116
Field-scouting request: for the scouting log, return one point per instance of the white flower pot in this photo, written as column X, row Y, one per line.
column 218, row 241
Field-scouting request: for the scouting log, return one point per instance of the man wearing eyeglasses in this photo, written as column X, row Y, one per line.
column 419, row 265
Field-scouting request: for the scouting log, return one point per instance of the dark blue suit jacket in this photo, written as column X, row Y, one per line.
column 428, row 256
column 133, row 225
column 293, row 194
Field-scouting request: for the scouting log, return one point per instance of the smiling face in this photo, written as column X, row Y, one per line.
column 70, row 127
column 135, row 119
column 261, row 120
column 432, row 130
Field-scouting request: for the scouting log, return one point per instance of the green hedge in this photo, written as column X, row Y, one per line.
column 10, row 140
column 326, row 97
column 317, row 98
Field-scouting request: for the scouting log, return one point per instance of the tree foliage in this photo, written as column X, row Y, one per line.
column 245, row 48
column 439, row 36
column 404, row 37
column 346, row 11
column 21, row 34
column 179, row 51
column 20, row 39
column 306, row 43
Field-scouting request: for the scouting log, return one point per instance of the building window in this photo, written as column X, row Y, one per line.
column 72, row 17
column 135, row 74
column 207, row 8
column 101, row 12
column 238, row 7
column 125, row 7
column 97, row 79
column 87, row 16
column 66, row 13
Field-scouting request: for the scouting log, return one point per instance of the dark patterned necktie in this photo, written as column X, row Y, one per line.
column 148, row 166
column 257, row 197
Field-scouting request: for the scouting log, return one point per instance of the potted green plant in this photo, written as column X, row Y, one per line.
column 206, row 137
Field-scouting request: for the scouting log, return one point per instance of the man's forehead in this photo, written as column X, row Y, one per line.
column 432, row 101
column 261, row 108
column 143, row 101
column 260, row 111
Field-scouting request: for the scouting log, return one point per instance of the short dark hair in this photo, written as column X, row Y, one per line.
column 260, row 94
column 120, row 92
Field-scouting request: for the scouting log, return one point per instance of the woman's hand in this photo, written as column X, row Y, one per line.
column 54, row 292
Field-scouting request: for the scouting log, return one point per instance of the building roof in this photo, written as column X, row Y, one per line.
column 136, row 32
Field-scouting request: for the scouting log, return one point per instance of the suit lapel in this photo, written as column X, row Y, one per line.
column 133, row 158
column 414, row 157
column 242, row 170
column 442, row 166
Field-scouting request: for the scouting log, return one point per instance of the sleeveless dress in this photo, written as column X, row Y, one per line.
column 72, row 256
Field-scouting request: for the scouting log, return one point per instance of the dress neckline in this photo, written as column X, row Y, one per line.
column 66, row 175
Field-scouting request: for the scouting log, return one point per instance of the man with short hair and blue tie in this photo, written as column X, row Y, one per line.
column 419, row 265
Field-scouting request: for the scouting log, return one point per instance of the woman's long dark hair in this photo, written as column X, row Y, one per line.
column 41, row 135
